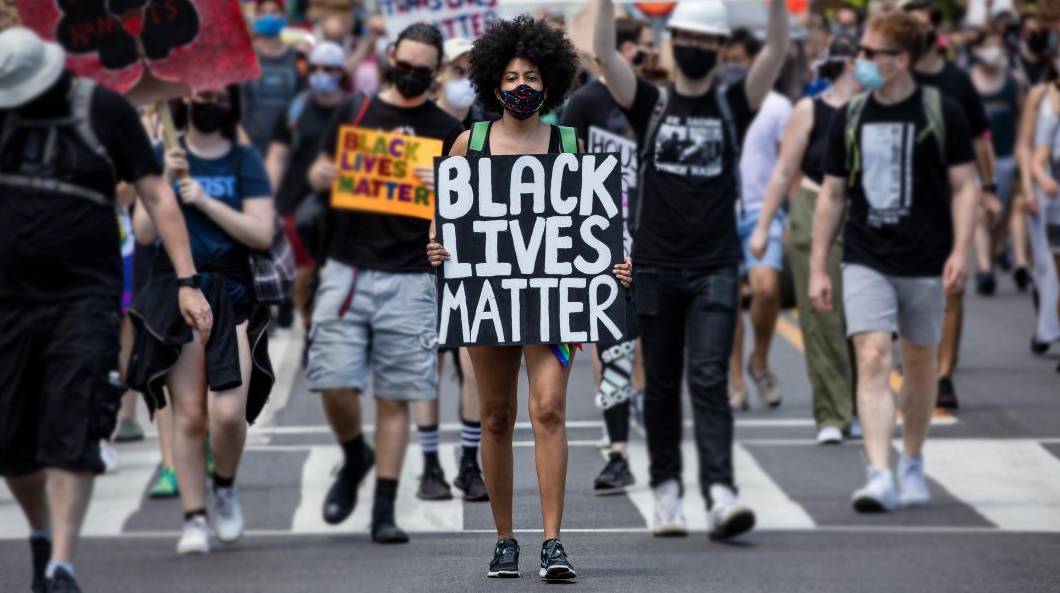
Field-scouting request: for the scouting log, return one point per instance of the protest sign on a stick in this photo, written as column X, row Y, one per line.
column 377, row 172
column 175, row 45
column 600, row 140
column 532, row 241
column 454, row 18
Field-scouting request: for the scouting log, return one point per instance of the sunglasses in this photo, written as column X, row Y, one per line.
column 871, row 52
column 421, row 72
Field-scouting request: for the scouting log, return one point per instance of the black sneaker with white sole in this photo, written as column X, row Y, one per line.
column 470, row 481
column 505, row 563
column 554, row 563
column 61, row 582
column 615, row 477
column 433, row 485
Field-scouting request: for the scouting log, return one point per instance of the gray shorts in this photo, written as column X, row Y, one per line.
column 374, row 320
column 876, row 302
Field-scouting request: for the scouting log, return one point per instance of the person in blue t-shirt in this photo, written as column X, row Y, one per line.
column 214, row 383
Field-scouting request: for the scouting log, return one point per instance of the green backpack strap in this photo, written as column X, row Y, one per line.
column 479, row 133
column 936, row 124
column 855, row 108
column 568, row 139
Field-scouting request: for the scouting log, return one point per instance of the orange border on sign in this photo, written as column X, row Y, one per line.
column 376, row 172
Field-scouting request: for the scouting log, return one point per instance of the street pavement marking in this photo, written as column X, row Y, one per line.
column 773, row 508
column 116, row 497
column 413, row 515
column 1014, row 484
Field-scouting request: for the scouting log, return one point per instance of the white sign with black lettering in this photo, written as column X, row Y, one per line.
column 532, row 241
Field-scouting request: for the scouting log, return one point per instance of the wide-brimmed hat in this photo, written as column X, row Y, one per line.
column 28, row 66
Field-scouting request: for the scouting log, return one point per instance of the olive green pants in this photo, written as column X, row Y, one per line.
column 828, row 356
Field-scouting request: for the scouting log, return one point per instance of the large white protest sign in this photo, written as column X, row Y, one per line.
column 532, row 241
column 454, row 18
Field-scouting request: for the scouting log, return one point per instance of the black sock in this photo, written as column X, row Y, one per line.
column 219, row 482
column 615, row 455
column 470, row 438
column 386, row 488
column 430, row 460
column 188, row 516
column 353, row 449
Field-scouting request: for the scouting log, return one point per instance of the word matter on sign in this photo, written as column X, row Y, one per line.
column 532, row 241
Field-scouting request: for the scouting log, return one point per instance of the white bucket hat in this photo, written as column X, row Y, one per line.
column 327, row 53
column 456, row 47
column 28, row 66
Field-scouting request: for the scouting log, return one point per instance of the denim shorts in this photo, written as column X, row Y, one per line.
column 774, row 255
column 877, row 302
column 374, row 323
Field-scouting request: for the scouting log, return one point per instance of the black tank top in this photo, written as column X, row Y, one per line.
column 553, row 143
column 813, row 158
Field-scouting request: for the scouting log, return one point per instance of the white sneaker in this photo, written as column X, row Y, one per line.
column 878, row 495
column 669, row 518
column 768, row 386
column 913, row 489
column 109, row 455
column 227, row 516
column 728, row 517
column 829, row 435
column 738, row 398
column 196, row 537
column 855, row 429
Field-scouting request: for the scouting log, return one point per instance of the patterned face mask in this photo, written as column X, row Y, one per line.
column 522, row 102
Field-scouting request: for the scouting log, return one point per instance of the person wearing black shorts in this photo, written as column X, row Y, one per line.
column 61, row 285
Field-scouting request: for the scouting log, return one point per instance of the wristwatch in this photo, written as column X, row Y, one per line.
column 193, row 281
column 990, row 188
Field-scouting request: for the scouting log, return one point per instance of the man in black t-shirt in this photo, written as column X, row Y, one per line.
column 296, row 139
column 906, row 243
column 375, row 310
column 686, row 249
column 933, row 70
column 65, row 143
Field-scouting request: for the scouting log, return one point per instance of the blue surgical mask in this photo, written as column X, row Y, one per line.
column 869, row 75
column 269, row 25
column 322, row 83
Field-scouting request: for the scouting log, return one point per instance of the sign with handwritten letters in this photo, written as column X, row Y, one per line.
column 377, row 172
column 601, row 140
column 532, row 241
column 454, row 18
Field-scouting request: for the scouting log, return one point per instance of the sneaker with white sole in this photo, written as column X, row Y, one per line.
column 109, row 455
column 728, row 516
column 878, row 494
column 738, row 398
column 195, row 538
column 227, row 516
column 829, row 435
column 767, row 385
column 669, row 518
column 912, row 484
column 855, row 432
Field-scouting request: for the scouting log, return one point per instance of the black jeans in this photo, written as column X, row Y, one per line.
column 688, row 313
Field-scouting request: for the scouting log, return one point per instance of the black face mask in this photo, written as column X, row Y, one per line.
column 210, row 117
column 695, row 62
column 53, row 102
column 408, row 84
column 639, row 57
column 1038, row 42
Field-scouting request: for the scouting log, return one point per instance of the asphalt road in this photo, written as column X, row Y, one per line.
column 994, row 525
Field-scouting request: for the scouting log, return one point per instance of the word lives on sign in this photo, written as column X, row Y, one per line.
column 532, row 241
column 377, row 172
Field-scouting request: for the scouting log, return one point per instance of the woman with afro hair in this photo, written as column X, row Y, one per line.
column 523, row 69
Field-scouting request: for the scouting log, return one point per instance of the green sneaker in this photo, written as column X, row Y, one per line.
column 166, row 485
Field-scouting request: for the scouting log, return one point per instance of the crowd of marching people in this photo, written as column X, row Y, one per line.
column 871, row 165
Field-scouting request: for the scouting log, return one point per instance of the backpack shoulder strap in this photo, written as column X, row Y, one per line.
column 480, row 132
column 297, row 108
column 81, row 111
column 661, row 103
column 568, row 139
column 855, row 107
column 729, row 122
column 361, row 103
column 932, row 99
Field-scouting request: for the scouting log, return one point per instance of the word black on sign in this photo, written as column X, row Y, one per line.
column 532, row 241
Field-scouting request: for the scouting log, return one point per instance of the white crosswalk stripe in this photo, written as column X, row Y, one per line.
column 1012, row 483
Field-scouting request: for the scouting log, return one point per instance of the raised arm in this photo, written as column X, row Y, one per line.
column 792, row 149
column 618, row 75
column 770, row 60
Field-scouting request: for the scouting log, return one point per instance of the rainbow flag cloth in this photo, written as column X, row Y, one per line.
column 564, row 352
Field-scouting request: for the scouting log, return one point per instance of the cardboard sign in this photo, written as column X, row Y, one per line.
column 454, row 18
column 201, row 44
column 616, row 373
column 377, row 172
column 603, row 141
column 532, row 240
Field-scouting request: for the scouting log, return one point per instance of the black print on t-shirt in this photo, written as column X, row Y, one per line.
column 689, row 146
column 887, row 170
